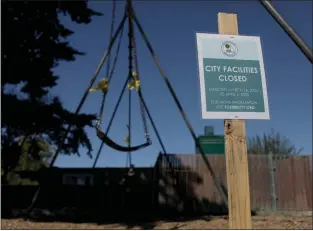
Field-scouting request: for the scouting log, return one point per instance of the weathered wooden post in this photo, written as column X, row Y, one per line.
column 233, row 88
column 236, row 153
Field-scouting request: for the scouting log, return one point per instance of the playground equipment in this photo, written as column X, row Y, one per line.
column 133, row 82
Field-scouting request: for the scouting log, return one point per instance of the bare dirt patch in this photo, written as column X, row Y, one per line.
column 259, row 222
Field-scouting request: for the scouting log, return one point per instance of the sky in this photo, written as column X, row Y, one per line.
column 171, row 27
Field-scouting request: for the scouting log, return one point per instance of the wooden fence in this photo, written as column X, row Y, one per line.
column 277, row 183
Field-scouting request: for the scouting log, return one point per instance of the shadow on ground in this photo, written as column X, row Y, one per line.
column 157, row 194
column 129, row 222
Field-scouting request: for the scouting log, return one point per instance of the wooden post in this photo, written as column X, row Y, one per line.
column 236, row 153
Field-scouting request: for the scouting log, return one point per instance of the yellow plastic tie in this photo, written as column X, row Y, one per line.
column 127, row 140
column 135, row 83
column 103, row 86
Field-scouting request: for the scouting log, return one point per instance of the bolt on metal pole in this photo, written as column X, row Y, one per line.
column 306, row 50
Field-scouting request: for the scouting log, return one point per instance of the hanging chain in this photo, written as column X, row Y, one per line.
column 111, row 34
column 110, row 74
column 142, row 109
column 130, row 71
column 132, row 48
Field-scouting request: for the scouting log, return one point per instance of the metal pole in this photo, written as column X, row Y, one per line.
column 272, row 180
column 306, row 50
column 183, row 114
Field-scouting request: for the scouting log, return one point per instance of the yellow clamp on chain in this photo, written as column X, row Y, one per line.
column 135, row 83
column 103, row 85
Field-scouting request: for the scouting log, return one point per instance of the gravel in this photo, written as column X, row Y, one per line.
column 259, row 222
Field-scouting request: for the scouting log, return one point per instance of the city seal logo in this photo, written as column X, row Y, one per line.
column 229, row 48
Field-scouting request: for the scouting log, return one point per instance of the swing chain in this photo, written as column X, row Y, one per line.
column 133, row 46
column 100, row 134
column 108, row 73
column 98, row 123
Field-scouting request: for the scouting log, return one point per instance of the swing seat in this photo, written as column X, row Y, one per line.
column 118, row 147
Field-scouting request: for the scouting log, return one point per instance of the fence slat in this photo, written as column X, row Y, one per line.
column 292, row 179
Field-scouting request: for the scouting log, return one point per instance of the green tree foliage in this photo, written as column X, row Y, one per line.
column 33, row 154
column 35, row 42
column 272, row 142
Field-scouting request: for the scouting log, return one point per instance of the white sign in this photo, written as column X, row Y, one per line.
column 232, row 77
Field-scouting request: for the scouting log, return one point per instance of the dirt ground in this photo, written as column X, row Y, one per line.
column 259, row 222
